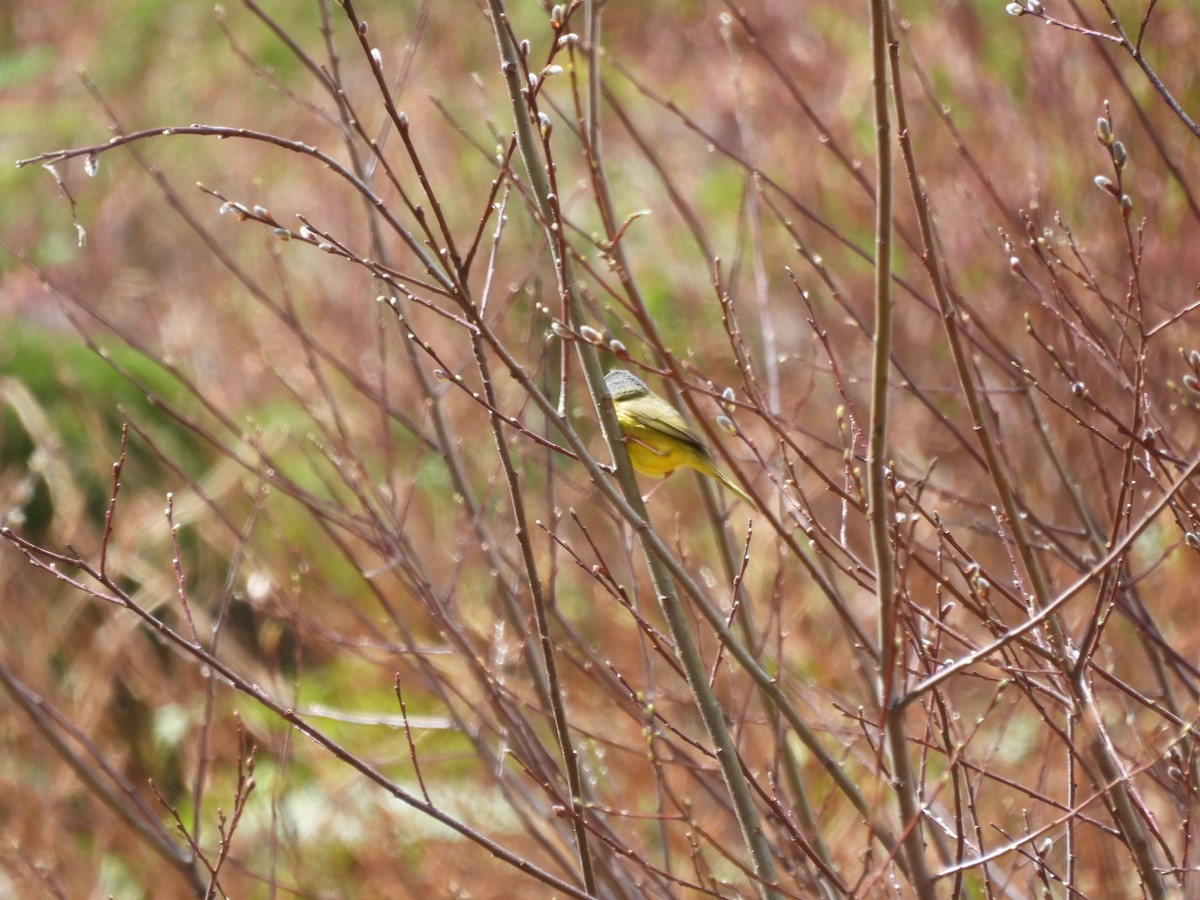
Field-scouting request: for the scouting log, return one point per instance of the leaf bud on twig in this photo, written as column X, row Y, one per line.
column 1119, row 155
column 591, row 335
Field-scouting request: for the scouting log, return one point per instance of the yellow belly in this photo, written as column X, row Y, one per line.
column 651, row 460
column 654, row 453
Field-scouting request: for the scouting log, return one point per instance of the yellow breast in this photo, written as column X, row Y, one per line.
column 651, row 451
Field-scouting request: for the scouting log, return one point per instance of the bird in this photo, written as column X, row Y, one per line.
column 658, row 439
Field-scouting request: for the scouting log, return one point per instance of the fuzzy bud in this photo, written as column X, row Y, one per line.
column 1104, row 131
column 1119, row 154
column 591, row 335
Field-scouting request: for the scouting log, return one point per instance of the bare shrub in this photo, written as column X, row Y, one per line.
column 407, row 625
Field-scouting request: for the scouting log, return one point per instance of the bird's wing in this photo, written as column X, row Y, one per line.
column 664, row 417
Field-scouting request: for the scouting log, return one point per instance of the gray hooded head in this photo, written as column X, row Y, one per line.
column 623, row 386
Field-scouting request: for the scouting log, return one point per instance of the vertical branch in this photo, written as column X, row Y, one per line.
column 878, row 520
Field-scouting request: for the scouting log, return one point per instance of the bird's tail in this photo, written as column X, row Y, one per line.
column 733, row 486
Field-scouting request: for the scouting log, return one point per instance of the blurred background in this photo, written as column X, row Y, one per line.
column 339, row 523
